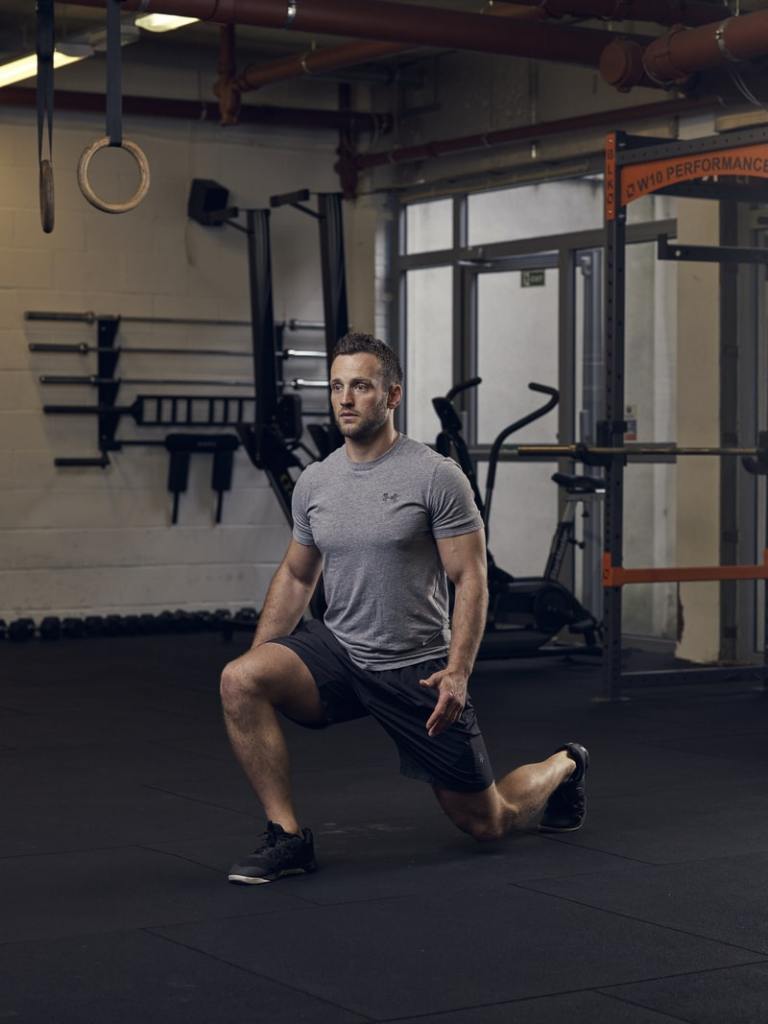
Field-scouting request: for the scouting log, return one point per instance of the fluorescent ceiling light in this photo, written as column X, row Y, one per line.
column 162, row 22
column 26, row 67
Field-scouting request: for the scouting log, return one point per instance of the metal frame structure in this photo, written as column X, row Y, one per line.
column 564, row 252
column 636, row 166
column 265, row 442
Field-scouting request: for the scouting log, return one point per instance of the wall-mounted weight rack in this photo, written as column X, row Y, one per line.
column 180, row 411
column 166, row 410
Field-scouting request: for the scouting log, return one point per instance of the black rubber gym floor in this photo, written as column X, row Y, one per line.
column 122, row 809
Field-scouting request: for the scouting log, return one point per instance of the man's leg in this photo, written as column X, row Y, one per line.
column 513, row 804
column 253, row 689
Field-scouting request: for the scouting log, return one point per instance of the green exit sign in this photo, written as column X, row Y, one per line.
column 533, row 278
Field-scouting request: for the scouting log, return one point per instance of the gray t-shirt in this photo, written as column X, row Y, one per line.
column 375, row 524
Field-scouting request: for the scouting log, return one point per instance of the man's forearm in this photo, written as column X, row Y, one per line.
column 285, row 603
column 468, row 623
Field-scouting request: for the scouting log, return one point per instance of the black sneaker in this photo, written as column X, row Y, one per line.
column 567, row 807
column 281, row 853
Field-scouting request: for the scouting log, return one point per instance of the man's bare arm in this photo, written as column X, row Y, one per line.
column 289, row 592
column 464, row 560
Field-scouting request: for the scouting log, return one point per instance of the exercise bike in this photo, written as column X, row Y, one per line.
column 525, row 612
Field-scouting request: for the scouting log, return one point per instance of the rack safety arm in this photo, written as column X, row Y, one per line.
column 618, row 576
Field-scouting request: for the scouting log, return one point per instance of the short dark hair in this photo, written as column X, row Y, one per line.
column 355, row 342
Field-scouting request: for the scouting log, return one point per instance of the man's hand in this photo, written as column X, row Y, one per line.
column 452, row 690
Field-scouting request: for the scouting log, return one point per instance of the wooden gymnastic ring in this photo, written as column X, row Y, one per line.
column 85, row 185
column 46, row 196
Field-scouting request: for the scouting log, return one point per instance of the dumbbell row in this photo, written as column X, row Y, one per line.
column 52, row 627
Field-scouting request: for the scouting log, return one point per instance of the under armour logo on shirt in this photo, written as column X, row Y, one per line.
column 386, row 496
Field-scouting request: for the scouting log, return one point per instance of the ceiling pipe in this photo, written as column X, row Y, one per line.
column 223, row 87
column 337, row 58
column 535, row 132
column 193, row 110
column 314, row 62
column 662, row 12
column 682, row 52
column 389, row 21
column 230, row 86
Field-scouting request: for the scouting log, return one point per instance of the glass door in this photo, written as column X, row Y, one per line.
column 515, row 321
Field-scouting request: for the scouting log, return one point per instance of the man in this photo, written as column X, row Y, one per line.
column 384, row 518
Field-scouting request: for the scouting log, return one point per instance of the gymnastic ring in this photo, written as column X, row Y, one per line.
column 85, row 186
column 46, row 196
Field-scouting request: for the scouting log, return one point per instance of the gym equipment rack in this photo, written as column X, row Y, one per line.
column 636, row 166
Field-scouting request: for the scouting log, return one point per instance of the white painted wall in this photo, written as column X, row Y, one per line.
column 90, row 541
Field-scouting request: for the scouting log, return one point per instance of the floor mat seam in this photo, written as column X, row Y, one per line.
column 595, row 849
column 257, row 974
column 604, row 989
column 641, row 920
column 662, row 1013
column 432, row 1015
column 192, row 799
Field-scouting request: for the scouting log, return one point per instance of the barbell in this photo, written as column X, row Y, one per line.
column 581, row 452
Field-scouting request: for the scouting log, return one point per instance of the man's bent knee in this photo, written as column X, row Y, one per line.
column 240, row 681
column 276, row 675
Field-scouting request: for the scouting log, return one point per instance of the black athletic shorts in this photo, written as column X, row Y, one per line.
column 456, row 759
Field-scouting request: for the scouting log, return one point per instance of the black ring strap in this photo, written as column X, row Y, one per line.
column 44, row 48
column 114, row 75
column 114, row 125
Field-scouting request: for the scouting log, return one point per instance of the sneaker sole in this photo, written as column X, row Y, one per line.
column 567, row 828
column 250, row 880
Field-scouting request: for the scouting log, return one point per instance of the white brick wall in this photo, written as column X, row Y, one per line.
column 90, row 541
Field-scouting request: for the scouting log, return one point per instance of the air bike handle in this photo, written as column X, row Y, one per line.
column 493, row 460
column 463, row 386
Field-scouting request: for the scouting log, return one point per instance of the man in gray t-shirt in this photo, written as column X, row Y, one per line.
column 376, row 524
column 387, row 521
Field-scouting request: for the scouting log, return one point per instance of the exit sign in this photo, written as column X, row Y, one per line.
column 533, row 278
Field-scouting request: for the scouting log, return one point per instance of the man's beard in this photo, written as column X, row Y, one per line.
column 366, row 428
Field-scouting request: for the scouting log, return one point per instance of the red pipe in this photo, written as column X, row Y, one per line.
column 389, row 21
column 663, row 12
column 311, row 63
column 223, row 87
column 524, row 133
column 678, row 54
column 338, row 57
column 147, row 106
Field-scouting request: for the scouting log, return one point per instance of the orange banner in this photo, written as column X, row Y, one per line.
column 640, row 179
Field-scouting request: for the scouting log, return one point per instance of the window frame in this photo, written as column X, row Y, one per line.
column 559, row 251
